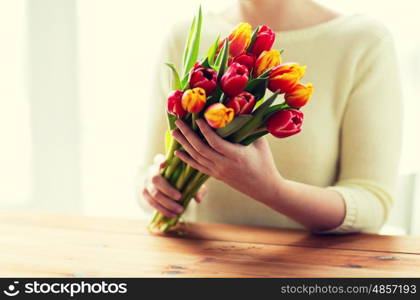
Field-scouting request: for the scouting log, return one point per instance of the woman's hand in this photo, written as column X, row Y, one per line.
column 248, row 169
column 160, row 194
column 251, row 170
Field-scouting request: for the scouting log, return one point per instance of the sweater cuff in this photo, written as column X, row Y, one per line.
column 349, row 222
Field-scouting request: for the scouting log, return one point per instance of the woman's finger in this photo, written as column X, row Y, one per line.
column 185, row 157
column 216, row 142
column 163, row 186
column 159, row 160
column 166, row 202
column 149, row 199
column 196, row 142
column 201, row 193
column 190, row 149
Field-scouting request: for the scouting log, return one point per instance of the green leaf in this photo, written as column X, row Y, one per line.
column 188, row 42
column 253, row 83
column 222, row 60
column 253, row 137
column 258, row 103
column 257, row 87
column 223, row 98
column 205, row 63
column 168, row 139
column 253, row 38
column 211, row 54
column 193, row 44
column 171, row 121
column 264, row 107
column 214, row 97
column 273, row 109
column 218, row 61
column 234, row 126
column 266, row 74
column 184, row 82
column 255, row 123
column 176, row 82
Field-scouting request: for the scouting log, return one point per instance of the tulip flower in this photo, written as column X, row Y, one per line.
column 246, row 59
column 300, row 95
column 267, row 60
column 264, row 41
column 285, row 77
column 174, row 104
column 239, row 39
column 204, row 78
column 285, row 123
column 218, row 116
column 242, row 104
column 234, row 80
column 194, row 100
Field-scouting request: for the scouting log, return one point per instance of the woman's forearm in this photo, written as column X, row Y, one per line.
column 314, row 207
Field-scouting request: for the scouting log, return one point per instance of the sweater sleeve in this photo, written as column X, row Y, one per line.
column 370, row 141
column 154, row 140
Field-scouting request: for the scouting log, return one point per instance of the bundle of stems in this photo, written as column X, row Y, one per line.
column 184, row 178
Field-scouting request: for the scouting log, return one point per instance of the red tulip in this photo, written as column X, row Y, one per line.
column 264, row 42
column 204, row 78
column 246, row 59
column 174, row 104
column 285, row 123
column 242, row 104
column 234, row 80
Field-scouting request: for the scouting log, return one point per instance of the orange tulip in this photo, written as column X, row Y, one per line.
column 194, row 100
column 218, row 116
column 239, row 39
column 285, row 77
column 266, row 61
column 300, row 95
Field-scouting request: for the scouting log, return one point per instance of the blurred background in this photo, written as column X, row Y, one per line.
column 73, row 75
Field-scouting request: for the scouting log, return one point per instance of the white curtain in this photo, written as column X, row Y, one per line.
column 15, row 135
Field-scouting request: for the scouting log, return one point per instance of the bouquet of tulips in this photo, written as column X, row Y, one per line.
column 227, row 89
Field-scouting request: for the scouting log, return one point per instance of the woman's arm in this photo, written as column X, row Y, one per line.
column 251, row 170
column 370, row 144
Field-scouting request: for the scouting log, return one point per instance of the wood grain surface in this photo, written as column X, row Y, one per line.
column 44, row 245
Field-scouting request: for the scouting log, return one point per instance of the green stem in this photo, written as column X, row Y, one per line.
column 193, row 123
column 244, row 131
column 184, row 177
column 162, row 223
column 190, row 191
column 261, row 129
column 173, row 146
column 167, row 172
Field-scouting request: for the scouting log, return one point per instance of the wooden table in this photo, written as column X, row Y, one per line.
column 44, row 245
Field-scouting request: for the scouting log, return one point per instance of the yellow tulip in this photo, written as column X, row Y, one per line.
column 194, row 100
column 239, row 39
column 218, row 116
column 299, row 95
column 266, row 61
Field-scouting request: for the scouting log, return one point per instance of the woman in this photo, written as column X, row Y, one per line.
column 339, row 173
